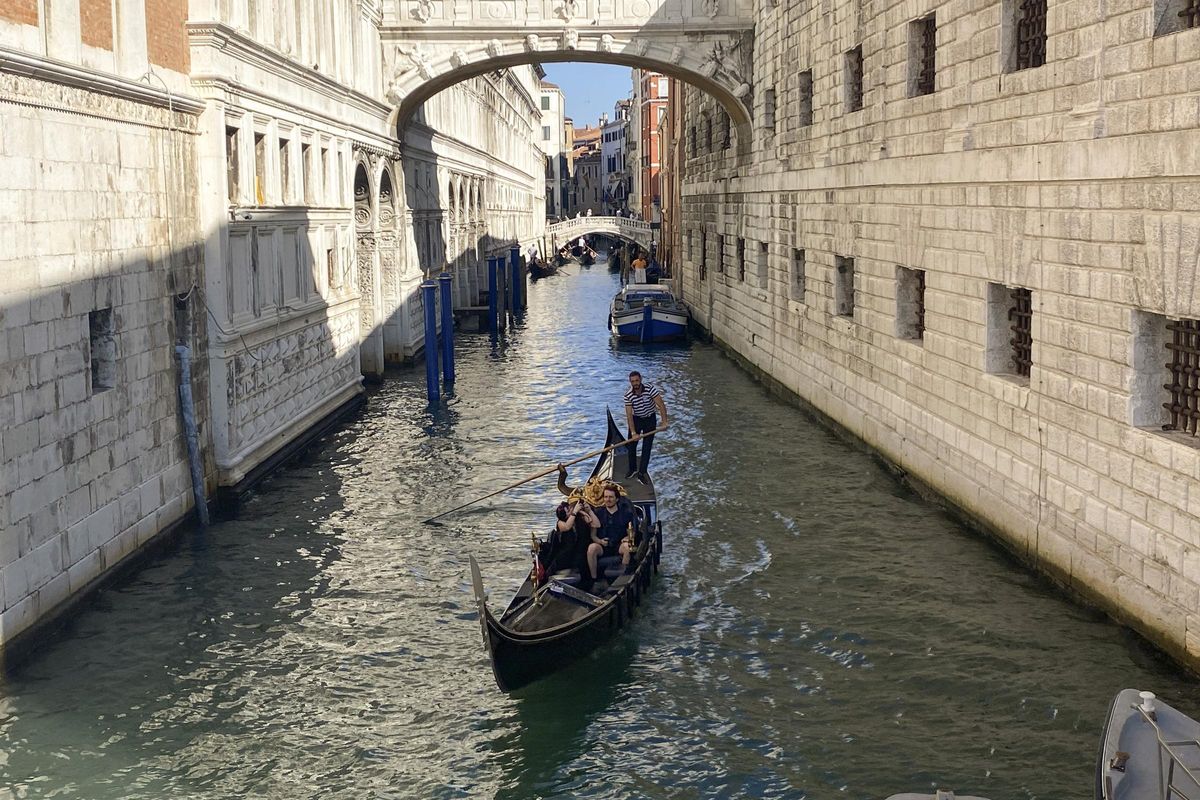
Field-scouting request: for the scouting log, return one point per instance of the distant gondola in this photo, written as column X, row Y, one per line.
column 541, row 269
column 545, row 627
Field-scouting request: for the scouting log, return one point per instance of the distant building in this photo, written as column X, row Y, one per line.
column 652, row 105
column 587, row 186
column 614, row 177
column 552, row 138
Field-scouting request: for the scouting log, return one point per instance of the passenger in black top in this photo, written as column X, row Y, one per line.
column 609, row 537
column 573, row 532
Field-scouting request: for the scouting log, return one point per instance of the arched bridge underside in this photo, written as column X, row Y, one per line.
column 633, row 230
column 430, row 45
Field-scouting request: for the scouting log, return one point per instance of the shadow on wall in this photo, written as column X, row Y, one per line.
column 95, row 463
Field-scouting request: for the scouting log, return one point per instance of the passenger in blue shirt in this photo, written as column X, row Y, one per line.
column 609, row 539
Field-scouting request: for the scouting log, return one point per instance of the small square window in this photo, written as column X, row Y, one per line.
column 545, row 102
column 922, row 51
column 102, row 350
column 843, row 287
column 797, row 282
column 910, row 303
column 853, row 75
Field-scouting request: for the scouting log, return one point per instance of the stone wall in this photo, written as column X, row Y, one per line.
column 98, row 238
column 844, row 234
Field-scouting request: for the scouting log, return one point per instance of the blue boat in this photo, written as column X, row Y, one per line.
column 648, row 312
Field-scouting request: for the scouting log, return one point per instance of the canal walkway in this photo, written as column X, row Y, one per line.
column 817, row 630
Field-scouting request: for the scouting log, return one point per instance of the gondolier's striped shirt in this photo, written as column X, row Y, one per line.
column 643, row 404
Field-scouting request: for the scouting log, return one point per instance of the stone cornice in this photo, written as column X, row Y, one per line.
column 241, row 47
column 78, row 77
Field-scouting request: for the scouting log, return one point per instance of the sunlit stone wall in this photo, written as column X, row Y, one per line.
column 958, row 182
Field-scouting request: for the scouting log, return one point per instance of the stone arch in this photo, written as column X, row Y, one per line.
column 716, row 63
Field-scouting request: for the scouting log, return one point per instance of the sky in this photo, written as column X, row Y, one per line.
column 590, row 89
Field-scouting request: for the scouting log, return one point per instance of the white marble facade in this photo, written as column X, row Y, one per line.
column 235, row 184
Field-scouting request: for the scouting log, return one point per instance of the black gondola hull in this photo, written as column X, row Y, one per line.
column 519, row 661
column 521, row 657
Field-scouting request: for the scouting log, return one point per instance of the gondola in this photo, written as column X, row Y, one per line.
column 1147, row 750
column 588, row 257
column 541, row 269
column 547, row 626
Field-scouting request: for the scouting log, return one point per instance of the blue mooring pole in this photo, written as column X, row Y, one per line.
column 447, row 330
column 493, row 290
column 518, row 285
column 429, row 300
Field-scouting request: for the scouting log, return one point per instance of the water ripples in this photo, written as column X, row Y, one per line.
column 817, row 630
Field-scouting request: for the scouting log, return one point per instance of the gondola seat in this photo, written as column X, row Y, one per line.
column 570, row 577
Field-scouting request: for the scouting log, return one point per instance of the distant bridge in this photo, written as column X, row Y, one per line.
column 633, row 230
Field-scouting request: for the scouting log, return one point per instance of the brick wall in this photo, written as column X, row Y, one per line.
column 1078, row 180
column 166, row 37
column 24, row 12
column 95, row 23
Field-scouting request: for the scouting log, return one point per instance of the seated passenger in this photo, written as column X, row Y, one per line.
column 608, row 537
column 572, row 533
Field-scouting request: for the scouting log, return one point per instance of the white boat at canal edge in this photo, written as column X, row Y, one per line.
column 1148, row 751
column 647, row 312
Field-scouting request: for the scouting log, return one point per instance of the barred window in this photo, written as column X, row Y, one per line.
column 1175, row 15
column 1183, row 382
column 1009, row 330
column 910, row 303
column 1025, row 32
column 805, row 85
column 854, row 79
column 922, row 47
column 843, row 289
column 769, row 110
column 741, row 258
column 798, row 274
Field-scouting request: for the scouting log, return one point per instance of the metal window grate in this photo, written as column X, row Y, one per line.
column 928, row 64
column 1031, row 34
column 854, row 79
column 920, row 304
column 726, row 134
column 1020, row 315
column 741, row 259
column 1184, row 388
column 1190, row 14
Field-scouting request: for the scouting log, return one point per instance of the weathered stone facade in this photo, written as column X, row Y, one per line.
column 99, row 235
column 879, row 262
column 202, row 172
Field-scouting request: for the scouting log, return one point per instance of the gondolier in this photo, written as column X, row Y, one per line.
column 641, row 402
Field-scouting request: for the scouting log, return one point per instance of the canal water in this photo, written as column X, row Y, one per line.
column 817, row 631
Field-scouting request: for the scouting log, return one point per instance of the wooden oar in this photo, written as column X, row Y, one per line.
column 546, row 472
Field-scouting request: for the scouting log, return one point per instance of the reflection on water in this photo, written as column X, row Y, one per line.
column 817, row 631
